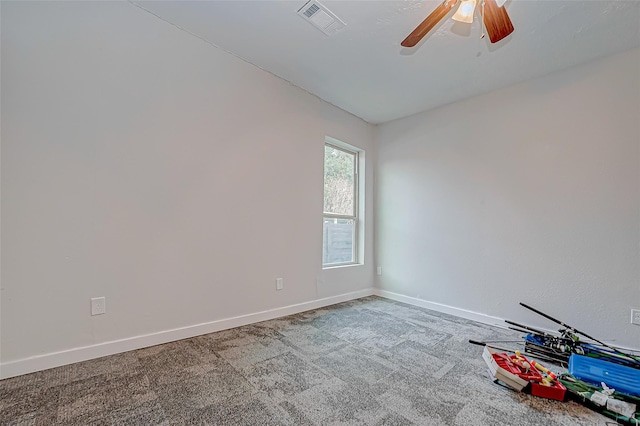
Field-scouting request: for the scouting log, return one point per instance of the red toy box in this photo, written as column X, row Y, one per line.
column 557, row 391
column 505, row 368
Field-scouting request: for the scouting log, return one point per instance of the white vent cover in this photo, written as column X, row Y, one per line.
column 321, row 17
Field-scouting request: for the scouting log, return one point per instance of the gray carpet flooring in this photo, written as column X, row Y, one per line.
column 370, row 361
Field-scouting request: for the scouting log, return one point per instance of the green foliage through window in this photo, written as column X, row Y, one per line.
column 339, row 187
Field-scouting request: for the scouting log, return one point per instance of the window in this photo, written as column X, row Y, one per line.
column 340, row 221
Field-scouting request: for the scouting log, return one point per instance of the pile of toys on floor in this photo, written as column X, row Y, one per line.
column 604, row 378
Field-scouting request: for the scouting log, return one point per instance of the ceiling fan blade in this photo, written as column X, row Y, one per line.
column 430, row 22
column 496, row 21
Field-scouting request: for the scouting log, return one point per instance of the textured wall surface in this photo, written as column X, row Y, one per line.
column 531, row 193
column 143, row 164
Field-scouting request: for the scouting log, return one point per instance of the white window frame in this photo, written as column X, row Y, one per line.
column 340, row 146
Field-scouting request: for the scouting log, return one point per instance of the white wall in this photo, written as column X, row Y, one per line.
column 528, row 194
column 142, row 164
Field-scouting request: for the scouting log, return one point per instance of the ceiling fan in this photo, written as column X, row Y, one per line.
column 494, row 15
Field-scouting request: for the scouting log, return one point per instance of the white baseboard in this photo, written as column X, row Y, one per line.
column 475, row 316
column 439, row 307
column 70, row 356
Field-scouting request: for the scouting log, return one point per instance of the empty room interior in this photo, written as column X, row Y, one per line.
column 292, row 213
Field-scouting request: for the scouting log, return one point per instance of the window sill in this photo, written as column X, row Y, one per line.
column 345, row 265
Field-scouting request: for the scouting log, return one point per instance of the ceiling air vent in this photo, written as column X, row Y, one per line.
column 321, row 17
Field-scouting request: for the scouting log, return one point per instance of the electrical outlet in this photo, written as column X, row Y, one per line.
column 635, row 316
column 379, row 270
column 98, row 305
column 279, row 284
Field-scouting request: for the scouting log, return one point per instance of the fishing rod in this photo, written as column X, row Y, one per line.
column 532, row 330
column 519, row 330
column 576, row 331
column 563, row 347
column 549, row 337
column 550, row 340
column 553, row 348
column 559, row 347
column 558, row 344
column 558, row 339
column 502, row 348
column 568, row 327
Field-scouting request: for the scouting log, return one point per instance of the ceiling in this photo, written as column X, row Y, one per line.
column 364, row 70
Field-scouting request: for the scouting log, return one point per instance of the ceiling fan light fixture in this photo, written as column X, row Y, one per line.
column 465, row 11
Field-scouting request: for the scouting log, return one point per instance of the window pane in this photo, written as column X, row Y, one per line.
column 339, row 185
column 337, row 240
